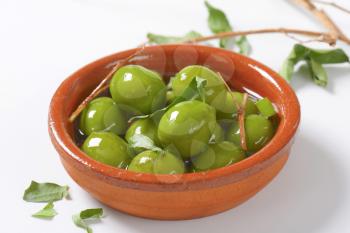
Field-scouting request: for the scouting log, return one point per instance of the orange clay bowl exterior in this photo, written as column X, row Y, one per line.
column 186, row 196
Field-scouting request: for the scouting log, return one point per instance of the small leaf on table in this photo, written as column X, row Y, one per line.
column 91, row 213
column 47, row 212
column 79, row 219
column 45, row 192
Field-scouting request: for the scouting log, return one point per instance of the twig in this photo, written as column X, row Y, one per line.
column 330, row 37
column 294, row 38
column 319, row 39
column 323, row 17
column 333, row 4
column 327, row 38
column 103, row 85
column 241, row 115
column 228, row 88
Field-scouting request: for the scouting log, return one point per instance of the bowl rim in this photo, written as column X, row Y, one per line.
column 68, row 150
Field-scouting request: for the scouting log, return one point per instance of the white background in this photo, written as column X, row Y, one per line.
column 42, row 42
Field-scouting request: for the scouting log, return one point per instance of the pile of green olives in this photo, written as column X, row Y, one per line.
column 198, row 133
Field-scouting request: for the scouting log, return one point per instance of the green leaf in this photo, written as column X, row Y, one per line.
column 193, row 91
column 91, row 213
column 332, row 56
column 314, row 58
column 244, row 45
column 140, row 141
column 287, row 69
column 218, row 22
column 265, row 107
column 200, row 87
column 47, row 212
column 81, row 223
column 318, row 73
column 217, row 19
column 161, row 39
column 297, row 54
column 45, row 192
column 79, row 219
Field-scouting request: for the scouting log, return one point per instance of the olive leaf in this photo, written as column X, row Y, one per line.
column 314, row 59
column 161, row 39
column 45, row 192
column 47, row 212
column 217, row 19
column 265, row 107
column 200, row 87
column 140, row 141
column 318, row 73
column 244, row 45
column 91, row 213
column 193, row 91
column 328, row 56
column 218, row 22
column 79, row 219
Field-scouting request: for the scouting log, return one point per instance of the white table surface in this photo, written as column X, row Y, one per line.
column 42, row 42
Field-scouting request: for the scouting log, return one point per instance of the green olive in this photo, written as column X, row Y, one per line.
column 187, row 126
column 215, row 90
column 107, row 148
column 217, row 134
column 146, row 127
column 258, row 130
column 138, row 89
column 170, row 96
column 102, row 114
column 228, row 108
column 157, row 162
column 218, row 155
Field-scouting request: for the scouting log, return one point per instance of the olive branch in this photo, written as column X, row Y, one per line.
column 219, row 25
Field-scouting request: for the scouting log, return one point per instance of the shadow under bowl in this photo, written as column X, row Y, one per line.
column 185, row 196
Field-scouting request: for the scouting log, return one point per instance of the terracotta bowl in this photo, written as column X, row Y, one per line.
column 184, row 196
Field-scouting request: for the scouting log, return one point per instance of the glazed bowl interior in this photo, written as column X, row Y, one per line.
column 240, row 72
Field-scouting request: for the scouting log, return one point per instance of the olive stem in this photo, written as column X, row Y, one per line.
column 228, row 88
column 333, row 35
column 241, row 115
column 330, row 37
column 240, row 112
column 319, row 39
column 323, row 36
column 333, row 4
column 334, row 31
column 104, row 84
